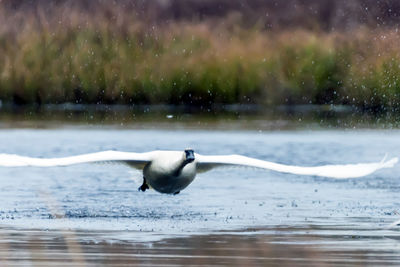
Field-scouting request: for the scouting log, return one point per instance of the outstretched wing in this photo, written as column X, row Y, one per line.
column 136, row 160
column 205, row 163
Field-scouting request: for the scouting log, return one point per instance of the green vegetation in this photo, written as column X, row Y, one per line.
column 94, row 59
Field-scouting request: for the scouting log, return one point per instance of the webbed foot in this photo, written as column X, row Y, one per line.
column 177, row 193
column 144, row 186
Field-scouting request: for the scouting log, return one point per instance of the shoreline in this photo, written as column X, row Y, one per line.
column 219, row 117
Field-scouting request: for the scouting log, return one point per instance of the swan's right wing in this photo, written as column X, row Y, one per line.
column 205, row 163
column 136, row 160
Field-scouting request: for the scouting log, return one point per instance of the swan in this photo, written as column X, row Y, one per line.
column 172, row 171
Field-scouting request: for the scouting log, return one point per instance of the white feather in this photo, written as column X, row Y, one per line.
column 205, row 163
column 9, row 160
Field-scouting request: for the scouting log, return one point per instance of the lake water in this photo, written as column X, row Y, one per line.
column 93, row 214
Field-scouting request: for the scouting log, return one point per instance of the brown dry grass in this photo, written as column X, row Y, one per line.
column 110, row 55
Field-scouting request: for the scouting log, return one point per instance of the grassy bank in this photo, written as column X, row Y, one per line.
column 117, row 58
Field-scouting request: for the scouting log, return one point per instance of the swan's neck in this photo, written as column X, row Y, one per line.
column 180, row 165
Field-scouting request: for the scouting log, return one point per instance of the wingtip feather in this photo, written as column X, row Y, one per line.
column 390, row 163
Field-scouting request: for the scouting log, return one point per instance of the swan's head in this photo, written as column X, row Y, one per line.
column 189, row 155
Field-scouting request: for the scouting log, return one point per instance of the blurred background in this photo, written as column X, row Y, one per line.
column 199, row 55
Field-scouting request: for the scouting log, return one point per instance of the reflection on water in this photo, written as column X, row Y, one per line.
column 280, row 246
column 94, row 213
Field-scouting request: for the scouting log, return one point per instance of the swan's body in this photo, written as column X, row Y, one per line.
column 171, row 171
column 168, row 173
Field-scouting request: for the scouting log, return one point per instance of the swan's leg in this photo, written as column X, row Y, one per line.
column 177, row 193
column 144, row 186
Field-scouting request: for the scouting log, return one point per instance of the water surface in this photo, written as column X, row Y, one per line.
column 229, row 215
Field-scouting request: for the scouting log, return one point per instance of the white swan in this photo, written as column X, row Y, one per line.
column 171, row 171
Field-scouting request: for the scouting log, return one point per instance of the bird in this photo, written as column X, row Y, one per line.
column 170, row 172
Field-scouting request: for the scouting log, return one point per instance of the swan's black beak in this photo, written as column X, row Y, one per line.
column 189, row 156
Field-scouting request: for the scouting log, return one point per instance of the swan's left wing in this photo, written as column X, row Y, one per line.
column 205, row 163
column 136, row 160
